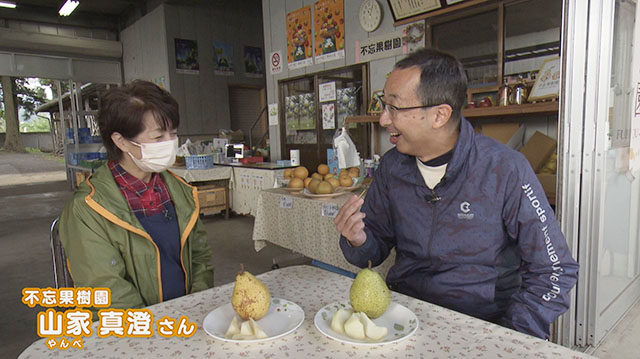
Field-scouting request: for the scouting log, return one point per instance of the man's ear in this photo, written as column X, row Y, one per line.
column 443, row 115
column 121, row 142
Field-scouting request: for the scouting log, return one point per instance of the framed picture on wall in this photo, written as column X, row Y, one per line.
column 403, row 9
column 547, row 83
column 375, row 106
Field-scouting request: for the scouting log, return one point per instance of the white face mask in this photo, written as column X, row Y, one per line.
column 156, row 156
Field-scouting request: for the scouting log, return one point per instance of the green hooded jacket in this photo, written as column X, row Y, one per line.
column 106, row 246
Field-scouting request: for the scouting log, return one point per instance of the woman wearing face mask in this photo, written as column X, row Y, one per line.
column 132, row 226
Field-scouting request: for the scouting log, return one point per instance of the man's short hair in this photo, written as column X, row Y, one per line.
column 122, row 109
column 442, row 79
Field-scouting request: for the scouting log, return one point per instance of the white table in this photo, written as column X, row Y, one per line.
column 303, row 229
column 442, row 333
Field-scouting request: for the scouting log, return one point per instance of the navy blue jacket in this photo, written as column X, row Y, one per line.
column 484, row 241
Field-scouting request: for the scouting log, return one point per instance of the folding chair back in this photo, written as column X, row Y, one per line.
column 61, row 275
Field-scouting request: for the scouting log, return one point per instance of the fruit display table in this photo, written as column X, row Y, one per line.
column 243, row 181
column 305, row 227
column 441, row 333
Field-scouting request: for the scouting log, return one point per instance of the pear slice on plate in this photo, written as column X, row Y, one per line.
column 234, row 328
column 371, row 330
column 339, row 317
column 353, row 327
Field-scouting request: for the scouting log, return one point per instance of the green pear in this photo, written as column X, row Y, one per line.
column 250, row 298
column 369, row 293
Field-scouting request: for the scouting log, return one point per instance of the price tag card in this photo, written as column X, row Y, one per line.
column 286, row 202
column 330, row 210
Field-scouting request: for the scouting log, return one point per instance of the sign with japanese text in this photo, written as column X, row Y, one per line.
column 327, row 91
column 276, row 62
column 328, row 30
column 402, row 41
column 286, row 202
column 299, row 38
column 66, row 328
column 330, row 210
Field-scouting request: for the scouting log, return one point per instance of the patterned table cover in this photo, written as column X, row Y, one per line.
column 247, row 183
column 442, row 333
column 303, row 228
column 210, row 174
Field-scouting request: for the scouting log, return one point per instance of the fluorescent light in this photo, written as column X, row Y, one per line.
column 9, row 4
column 68, row 7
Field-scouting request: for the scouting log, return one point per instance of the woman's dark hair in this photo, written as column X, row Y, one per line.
column 122, row 109
column 442, row 79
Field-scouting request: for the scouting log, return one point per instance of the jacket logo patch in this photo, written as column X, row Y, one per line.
column 465, row 207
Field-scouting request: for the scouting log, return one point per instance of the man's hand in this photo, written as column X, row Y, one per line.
column 349, row 221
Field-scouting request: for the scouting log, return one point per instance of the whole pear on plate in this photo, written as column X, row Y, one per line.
column 369, row 293
column 250, row 298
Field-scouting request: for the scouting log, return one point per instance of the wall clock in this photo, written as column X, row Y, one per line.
column 370, row 15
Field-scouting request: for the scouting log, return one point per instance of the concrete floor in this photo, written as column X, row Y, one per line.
column 26, row 210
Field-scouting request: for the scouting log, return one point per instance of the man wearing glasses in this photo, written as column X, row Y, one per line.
column 471, row 225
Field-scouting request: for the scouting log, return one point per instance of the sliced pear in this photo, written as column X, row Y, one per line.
column 339, row 317
column 240, row 336
column 354, row 328
column 371, row 330
column 245, row 328
column 257, row 331
column 234, row 328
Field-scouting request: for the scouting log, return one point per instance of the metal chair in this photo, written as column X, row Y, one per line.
column 61, row 274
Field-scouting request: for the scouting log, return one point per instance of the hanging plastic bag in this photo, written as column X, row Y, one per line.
column 346, row 151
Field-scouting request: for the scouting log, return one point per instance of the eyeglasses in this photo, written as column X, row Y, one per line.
column 393, row 110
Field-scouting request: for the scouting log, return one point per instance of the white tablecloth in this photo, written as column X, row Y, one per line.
column 303, row 229
column 442, row 333
column 211, row 174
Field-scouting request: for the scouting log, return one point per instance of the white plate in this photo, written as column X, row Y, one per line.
column 400, row 321
column 292, row 189
column 307, row 193
column 283, row 317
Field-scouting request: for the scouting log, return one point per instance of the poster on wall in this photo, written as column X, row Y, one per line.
column 223, row 58
column 187, row 56
column 328, row 116
column 328, row 26
column 634, row 150
column 253, row 62
column 404, row 40
column 273, row 114
column 402, row 9
column 299, row 41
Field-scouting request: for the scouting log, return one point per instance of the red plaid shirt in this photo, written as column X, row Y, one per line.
column 146, row 199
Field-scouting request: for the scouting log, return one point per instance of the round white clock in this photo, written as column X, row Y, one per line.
column 370, row 15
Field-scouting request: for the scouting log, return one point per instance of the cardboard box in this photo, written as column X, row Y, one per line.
column 548, row 182
column 509, row 133
column 538, row 149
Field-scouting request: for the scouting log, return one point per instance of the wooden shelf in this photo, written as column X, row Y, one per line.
column 541, row 108
column 362, row 119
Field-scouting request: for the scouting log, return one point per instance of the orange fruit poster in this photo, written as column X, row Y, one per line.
column 299, row 37
column 328, row 25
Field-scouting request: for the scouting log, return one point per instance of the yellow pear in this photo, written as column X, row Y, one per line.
column 323, row 169
column 324, row 187
column 313, row 185
column 250, row 298
column 335, row 183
